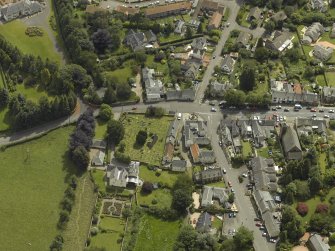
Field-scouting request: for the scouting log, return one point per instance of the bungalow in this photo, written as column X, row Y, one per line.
column 213, row 193
column 228, row 64
column 322, row 53
column 290, row 143
column 153, row 87
column 120, row 176
column 19, row 9
column 316, row 243
column 254, row 14
column 279, row 41
column 328, row 95
column 313, row 33
column 167, row 10
column 215, row 21
column 97, row 152
column 208, row 176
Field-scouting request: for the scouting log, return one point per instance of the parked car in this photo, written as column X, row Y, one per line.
column 245, row 175
column 321, row 110
column 278, row 107
column 224, row 171
column 258, row 224
column 213, row 109
column 229, row 184
column 232, row 190
column 331, row 111
column 264, row 234
column 273, row 240
column 134, row 108
column 313, row 110
column 326, row 116
column 286, row 110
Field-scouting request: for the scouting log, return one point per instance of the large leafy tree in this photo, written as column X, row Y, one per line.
column 115, row 131
column 248, row 78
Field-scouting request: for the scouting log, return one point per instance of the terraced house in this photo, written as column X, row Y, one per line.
column 19, row 9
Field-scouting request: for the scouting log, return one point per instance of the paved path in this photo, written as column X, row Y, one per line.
column 42, row 20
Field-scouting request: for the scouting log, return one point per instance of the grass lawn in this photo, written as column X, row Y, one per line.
column 155, row 234
column 32, row 184
column 14, row 32
column 172, row 37
column 108, row 240
column 277, row 70
column 312, row 203
column 122, row 74
column 263, row 152
column 98, row 176
column 217, row 184
column 330, row 76
column 4, row 119
column 164, row 68
column 133, row 123
column 166, row 177
column 31, row 93
column 100, row 129
column 78, row 226
column 246, row 148
column 320, row 79
column 217, row 223
column 162, row 196
column 322, row 160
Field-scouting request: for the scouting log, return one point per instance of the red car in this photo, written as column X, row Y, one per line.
column 313, row 110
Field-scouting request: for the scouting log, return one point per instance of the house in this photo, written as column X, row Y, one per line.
column 254, row 14
column 190, row 69
column 279, row 41
column 19, row 9
column 181, row 95
column 167, row 10
column 217, row 89
column 258, row 133
column 313, row 33
column 208, row 176
column 243, row 39
column 279, row 16
column 199, row 47
column 193, row 23
column 213, row 193
column 178, row 165
column 290, row 143
column 215, row 21
column 195, row 132
column 319, row 5
column 206, row 156
column 271, row 224
column 99, row 144
column 120, row 176
column 170, row 141
column 316, row 243
column 139, row 40
column 322, row 53
column 328, row 95
column 128, row 11
column 284, row 92
column 212, row 6
column 98, row 158
column 153, row 87
column 97, row 152
column 204, row 223
column 180, row 27
column 228, row 64
column 332, row 32
column 308, row 126
column 264, row 174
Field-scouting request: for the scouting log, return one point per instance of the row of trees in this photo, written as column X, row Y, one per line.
column 81, row 140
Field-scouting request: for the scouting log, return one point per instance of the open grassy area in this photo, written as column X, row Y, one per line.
column 75, row 235
column 320, row 79
column 4, row 119
column 108, row 240
column 133, row 123
column 163, row 68
column 322, row 161
column 98, row 176
column 263, row 152
column 165, row 177
column 217, row 184
column 14, row 32
column 163, row 198
column 33, row 181
column 100, row 129
column 246, row 149
column 155, row 234
column 32, row 93
column 217, row 223
column 330, row 76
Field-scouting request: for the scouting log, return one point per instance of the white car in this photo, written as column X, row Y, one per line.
column 213, row 109
column 331, row 111
column 244, row 175
column 278, row 107
column 224, row 171
column 326, row 116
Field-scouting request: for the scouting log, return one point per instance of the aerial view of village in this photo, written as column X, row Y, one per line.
column 167, row 125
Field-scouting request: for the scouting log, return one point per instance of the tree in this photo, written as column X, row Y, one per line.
column 147, row 187
column 261, row 54
column 57, row 243
column 141, row 137
column 181, row 200
column 110, row 96
column 101, row 40
column 81, row 157
column 315, row 184
column 45, row 77
column 303, row 192
column 115, row 131
column 4, row 97
column 153, row 111
column 123, row 91
column 302, row 208
column 293, row 54
column 188, row 33
column 247, row 78
column 231, row 198
column 234, row 97
column 269, row 26
column 322, row 208
column 292, row 224
column 243, row 239
column 105, row 112
column 321, row 223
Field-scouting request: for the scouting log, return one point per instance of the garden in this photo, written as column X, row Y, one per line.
column 148, row 153
column 155, row 234
column 34, row 176
column 167, row 178
column 160, row 197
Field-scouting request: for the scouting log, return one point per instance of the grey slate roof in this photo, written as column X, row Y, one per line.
column 264, row 201
column 19, row 9
column 120, row 176
column 255, row 13
column 194, row 131
column 243, row 38
column 153, row 86
column 280, row 41
column 199, row 43
column 210, row 193
column 264, row 174
column 313, row 32
column 178, row 165
column 172, row 132
column 317, row 243
column 207, row 156
column 209, row 175
column 138, row 40
column 179, row 27
column 290, row 139
column 228, row 63
column 309, row 125
column 322, row 53
column 98, row 158
column 99, row 144
column 272, row 226
column 204, row 222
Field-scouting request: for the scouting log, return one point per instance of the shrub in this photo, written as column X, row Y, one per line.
column 332, row 239
column 322, row 208
column 147, row 187
column 302, row 208
column 154, row 201
column 94, row 231
column 141, row 137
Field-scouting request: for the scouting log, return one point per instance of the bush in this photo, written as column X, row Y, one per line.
column 94, row 231
column 302, row 208
column 322, row 208
column 332, row 239
column 141, row 137
column 34, row 31
column 154, row 112
column 147, row 187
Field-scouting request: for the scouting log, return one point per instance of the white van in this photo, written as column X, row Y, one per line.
column 179, row 116
column 297, row 106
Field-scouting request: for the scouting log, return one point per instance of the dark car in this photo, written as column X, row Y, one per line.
column 286, row 110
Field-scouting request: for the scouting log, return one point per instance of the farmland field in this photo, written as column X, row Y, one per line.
column 155, row 234
column 133, row 123
column 33, row 181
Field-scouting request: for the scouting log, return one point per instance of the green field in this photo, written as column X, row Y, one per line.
column 14, row 32
column 330, row 76
column 155, row 234
column 108, row 240
column 246, row 149
column 32, row 184
column 166, row 177
column 162, row 196
column 100, row 129
column 133, row 123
